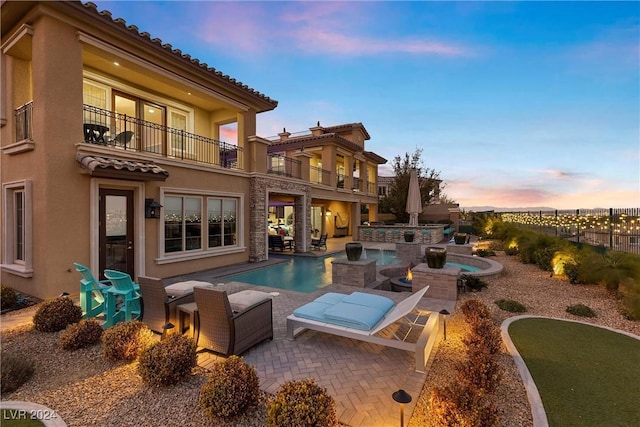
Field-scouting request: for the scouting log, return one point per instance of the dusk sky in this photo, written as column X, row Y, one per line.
column 516, row 104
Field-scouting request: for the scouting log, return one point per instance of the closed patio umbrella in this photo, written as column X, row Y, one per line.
column 414, row 199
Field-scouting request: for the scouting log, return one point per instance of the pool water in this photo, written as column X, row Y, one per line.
column 304, row 274
column 308, row 274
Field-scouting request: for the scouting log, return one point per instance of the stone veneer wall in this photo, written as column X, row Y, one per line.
column 353, row 273
column 442, row 281
column 260, row 187
column 465, row 249
column 409, row 252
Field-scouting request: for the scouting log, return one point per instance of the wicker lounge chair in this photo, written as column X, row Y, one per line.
column 364, row 318
column 159, row 302
column 319, row 243
column 232, row 324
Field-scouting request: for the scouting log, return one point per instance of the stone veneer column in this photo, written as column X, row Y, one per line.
column 409, row 252
column 442, row 282
column 353, row 273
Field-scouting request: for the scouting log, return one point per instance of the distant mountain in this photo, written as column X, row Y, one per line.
column 498, row 209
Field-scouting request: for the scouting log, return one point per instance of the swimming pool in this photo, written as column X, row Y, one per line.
column 308, row 274
column 304, row 274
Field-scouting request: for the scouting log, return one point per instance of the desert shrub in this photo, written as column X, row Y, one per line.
column 474, row 283
column 630, row 299
column 167, row 362
column 301, row 403
column 461, row 405
column 480, row 370
column 54, row 315
column 78, row 335
column 485, row 253
column 474, row 310
column 544, row 256
column 15, row 371
column 125, row 341
column 610, row 269
column 572, row 271
column 581, row 310
column 510, row 306
column 8, row 297
column 232, row 387
column 511, row 250
column 483, row 335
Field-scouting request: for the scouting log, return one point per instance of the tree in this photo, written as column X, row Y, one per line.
column 429, row 179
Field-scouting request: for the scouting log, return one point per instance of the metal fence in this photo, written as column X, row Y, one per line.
column 24, row 122
column 617, row 229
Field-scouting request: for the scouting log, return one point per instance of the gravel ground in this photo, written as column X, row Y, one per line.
column 543, row 296
column 87, row 390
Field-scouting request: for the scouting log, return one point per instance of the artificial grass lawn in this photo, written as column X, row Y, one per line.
column 18, row 418
column 586, row 376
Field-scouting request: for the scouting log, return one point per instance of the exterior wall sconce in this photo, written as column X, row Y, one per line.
column 328, row 213
column 151, row 208
column 401, row 397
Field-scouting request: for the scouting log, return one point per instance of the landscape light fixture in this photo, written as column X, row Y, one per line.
column 446, row 314
column 166, row 328
column 401, row 397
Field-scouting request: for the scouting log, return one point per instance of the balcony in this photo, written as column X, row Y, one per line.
column 319, row 176
column 278, row 164
column 123, row 132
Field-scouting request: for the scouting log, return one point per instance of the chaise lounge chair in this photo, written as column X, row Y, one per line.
column 362, row 316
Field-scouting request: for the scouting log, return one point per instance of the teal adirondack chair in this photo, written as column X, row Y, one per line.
column 91, row 292
column 122, row 299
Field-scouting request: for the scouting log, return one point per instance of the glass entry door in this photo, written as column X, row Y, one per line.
column 116, row 231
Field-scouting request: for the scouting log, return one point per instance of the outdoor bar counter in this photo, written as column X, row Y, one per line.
column 427, row 234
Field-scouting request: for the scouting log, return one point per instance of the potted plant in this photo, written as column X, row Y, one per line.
column 409, row 235
column 436, row 256
column 354, row 250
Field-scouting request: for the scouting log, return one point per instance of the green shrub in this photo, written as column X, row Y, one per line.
column 610, row 269
column 572, row 271
column 544, row 256
column 15, row 371
column 483, row 253
column 301, row 403
column 8, row 297
column 125, row 341
column 54, row 315
column 461, row 405
column 510, row 306
column 474, row 283
column 233, row 386
column 473, row 310
column 78, row 335
column 581, row 310
column 630, row 298
column 167, row 362
column 511, row 251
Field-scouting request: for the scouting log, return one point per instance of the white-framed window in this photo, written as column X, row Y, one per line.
column 184, row 230
column 17, row 228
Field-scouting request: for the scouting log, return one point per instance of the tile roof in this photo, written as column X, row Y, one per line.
column 118, row 168
column 145, row 36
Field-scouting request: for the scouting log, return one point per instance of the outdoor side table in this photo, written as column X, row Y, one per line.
column 191, row 310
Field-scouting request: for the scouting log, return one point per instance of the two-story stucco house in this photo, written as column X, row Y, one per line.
column 111, row 156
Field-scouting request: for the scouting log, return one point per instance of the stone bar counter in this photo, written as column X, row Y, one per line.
column 425, row 234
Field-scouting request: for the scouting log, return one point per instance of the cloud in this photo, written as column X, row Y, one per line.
column 333, row 28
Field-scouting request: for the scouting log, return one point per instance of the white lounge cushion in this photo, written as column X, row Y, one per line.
column 183, row 288
column 243, row 299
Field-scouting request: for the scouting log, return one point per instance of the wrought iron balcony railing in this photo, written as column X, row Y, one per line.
column 128, row 133
column 24, row 122
column 318, row 175
column 280, row 165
